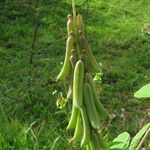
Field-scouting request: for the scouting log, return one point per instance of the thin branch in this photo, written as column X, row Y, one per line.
column 143, row 139
column 33, row 47
column 34, row 37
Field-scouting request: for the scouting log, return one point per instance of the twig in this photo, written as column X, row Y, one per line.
column 33, row 47
column 143, row 139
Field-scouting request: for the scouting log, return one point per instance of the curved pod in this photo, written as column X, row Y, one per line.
column 86, row 128
column 96, row 141
column 78, row 130
column 78, row 84
column 99, row 106
column 70, row 92
column 73, row 119
column 90, row 106
column 80, row 23
column 70, row 24
column 93, row 65
column 66, row 66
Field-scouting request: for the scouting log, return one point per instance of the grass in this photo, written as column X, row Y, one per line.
column 114, row 33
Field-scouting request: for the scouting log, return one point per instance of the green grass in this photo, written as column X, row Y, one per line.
column 114, row 33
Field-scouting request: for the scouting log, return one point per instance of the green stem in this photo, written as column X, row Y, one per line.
column 73, row 8
column 75, row 29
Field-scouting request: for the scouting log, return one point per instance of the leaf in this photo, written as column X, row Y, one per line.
column 111, row 143
column 138, row 137
column 144, row 92
column 122, row 141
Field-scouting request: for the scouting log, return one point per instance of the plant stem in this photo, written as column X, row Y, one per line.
column 87, row 15
column 73, row 8
column 32, row 49
column 75, row 28
column 143, row 139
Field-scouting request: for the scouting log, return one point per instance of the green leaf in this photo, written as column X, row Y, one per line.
column 122, row 141
column 111, row 144
column 144, row 92
column 138, row 137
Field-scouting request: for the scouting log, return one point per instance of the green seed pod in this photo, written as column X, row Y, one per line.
column 70, row 92
column 84, row 59
column 66, row 66
column 73, row 52
column 70, row 24
column 78, row 130
column 78, row 84
column 73, row 61
column 90, row 107
column 102, row 142
column 95, row 141
column 89, row 52
column 99, row 107
column 73, row 119
column 88, row 146
column 81, row 41
column 80, row 23
column 93, row 65
column 92, row 143
column 86, row 128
